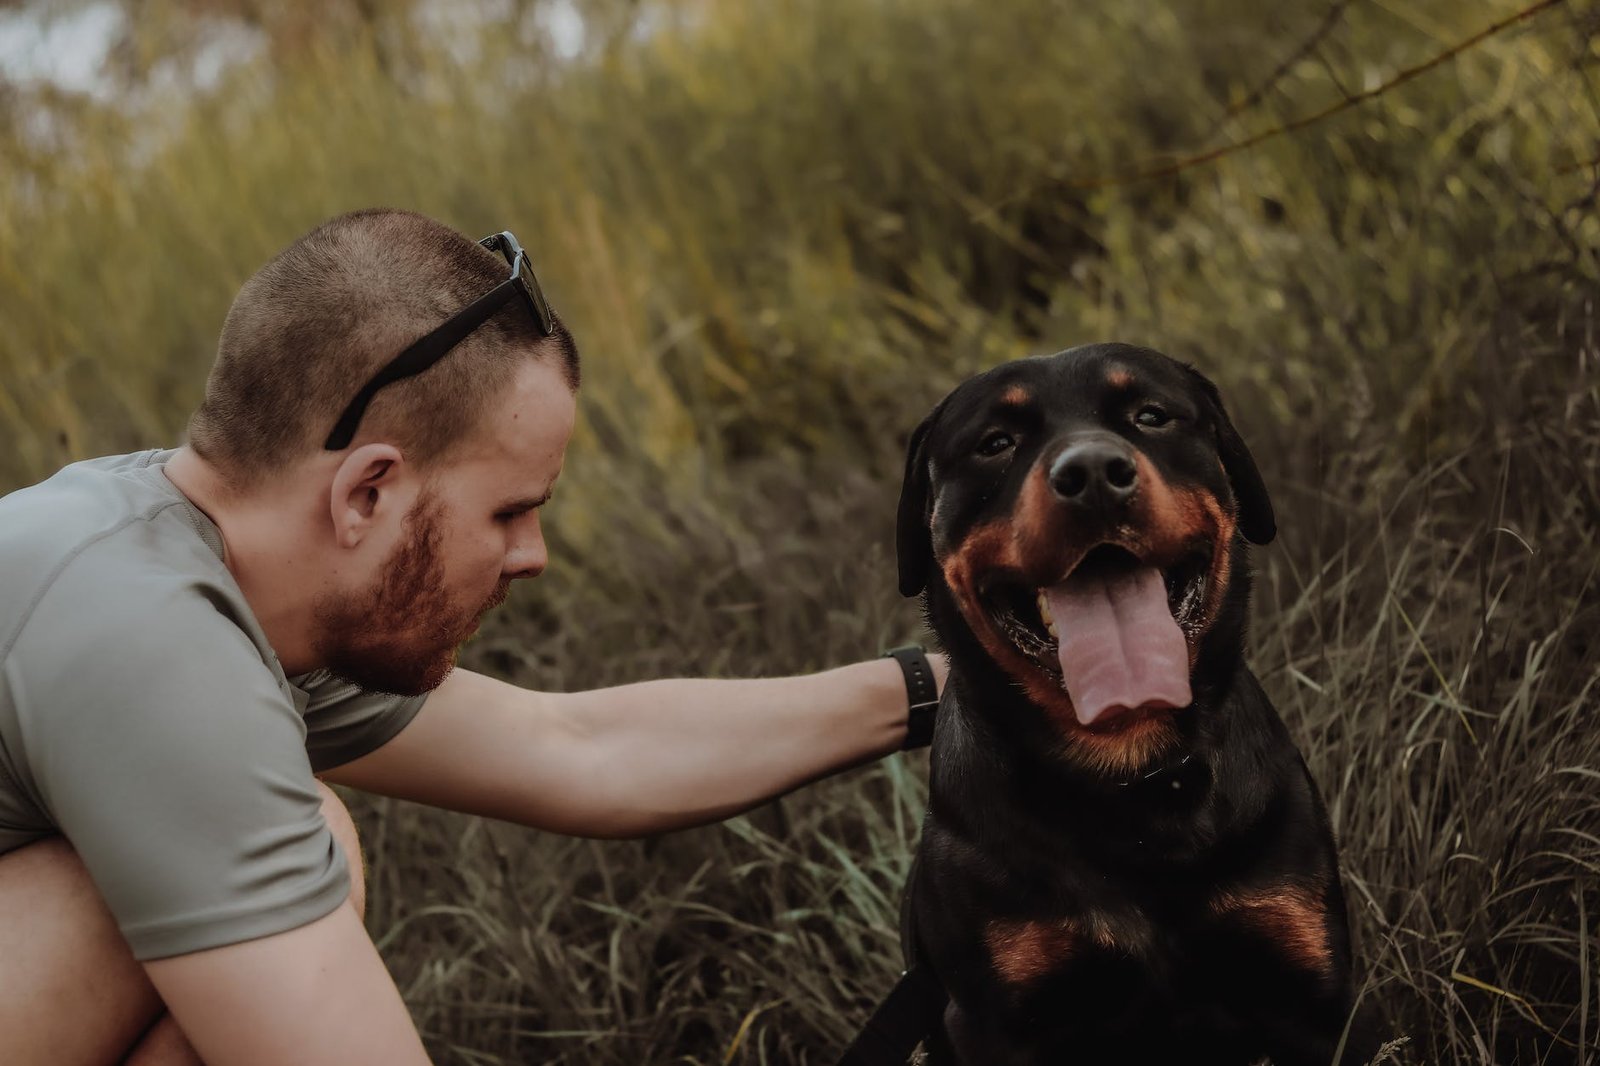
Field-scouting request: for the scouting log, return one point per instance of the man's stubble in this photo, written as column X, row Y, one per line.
column 402, row 636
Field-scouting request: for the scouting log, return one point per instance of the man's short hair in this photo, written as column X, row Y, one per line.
column 313, row 325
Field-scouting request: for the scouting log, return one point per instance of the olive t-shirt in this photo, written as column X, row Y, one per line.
column 144, row 716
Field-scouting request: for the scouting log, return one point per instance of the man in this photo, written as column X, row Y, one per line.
column 189, row 639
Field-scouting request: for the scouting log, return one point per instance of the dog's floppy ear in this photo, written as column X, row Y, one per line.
column 913, row 539
column 1256, row 519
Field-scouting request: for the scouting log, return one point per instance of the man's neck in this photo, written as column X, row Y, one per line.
column 261, row 549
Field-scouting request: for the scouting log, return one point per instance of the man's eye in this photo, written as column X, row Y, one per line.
column 995, row 443
column 1152, row 415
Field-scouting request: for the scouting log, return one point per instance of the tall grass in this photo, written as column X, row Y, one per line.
column 780, row 232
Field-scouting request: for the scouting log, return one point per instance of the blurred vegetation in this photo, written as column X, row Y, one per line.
column 781, row 231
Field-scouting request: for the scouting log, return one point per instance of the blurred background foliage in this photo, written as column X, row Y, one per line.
column 780, row 232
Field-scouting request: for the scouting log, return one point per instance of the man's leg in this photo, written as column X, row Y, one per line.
column 70, row 990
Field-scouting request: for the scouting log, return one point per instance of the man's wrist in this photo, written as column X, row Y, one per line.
column 922, row 694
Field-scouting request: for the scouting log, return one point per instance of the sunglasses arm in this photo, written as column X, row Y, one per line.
column 419, row 357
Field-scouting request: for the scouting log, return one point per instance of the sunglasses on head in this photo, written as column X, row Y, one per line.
column 451, row 332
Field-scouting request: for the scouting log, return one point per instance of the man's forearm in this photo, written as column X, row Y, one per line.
column 686, row 751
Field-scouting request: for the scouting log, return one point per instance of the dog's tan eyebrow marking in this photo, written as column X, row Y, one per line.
column 1119, row 378
column 1016, row 396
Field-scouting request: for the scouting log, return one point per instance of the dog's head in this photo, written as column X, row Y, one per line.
column 1082, row 516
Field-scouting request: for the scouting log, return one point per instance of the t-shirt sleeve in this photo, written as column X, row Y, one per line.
column 173, row 759
column 345, row 722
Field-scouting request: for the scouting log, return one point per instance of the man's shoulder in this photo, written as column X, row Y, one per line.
column 94, row 489
column 106, row 548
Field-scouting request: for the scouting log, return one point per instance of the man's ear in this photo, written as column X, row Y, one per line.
column 365, row 488
column 913, row 539
column 1256, row 519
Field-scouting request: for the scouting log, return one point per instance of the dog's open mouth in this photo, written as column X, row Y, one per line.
column 1114, row 632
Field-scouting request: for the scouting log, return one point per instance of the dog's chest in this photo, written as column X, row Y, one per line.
column 1110, row 975
column 1021, row 952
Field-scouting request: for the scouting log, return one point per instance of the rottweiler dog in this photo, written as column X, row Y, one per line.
column 1124, row 858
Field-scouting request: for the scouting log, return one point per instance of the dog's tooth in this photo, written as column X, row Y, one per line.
column 1046, row 616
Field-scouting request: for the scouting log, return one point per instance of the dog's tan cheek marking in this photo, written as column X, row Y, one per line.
column 1192, row 513
column 1023, row 952
column 1290, row 916
column 1044, row 547
column 988, row 547
column 1173, row 517
column 991, row 546
column 1178, row 516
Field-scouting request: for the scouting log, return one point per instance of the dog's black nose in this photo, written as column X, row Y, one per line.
column 1094, row 473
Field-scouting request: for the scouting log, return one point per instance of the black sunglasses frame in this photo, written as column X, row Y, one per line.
column 452, row 331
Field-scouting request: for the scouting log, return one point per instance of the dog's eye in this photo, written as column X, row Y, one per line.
column 995, row 443
column 1151, row 415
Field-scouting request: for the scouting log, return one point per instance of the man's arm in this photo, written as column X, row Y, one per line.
column 317, row 995
column 635, row 759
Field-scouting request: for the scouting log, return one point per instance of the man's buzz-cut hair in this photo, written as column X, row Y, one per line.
column 323, row 315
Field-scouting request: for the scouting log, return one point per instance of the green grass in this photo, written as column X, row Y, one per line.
column 781, row 232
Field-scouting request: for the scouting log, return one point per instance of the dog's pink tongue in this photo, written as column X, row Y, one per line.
column 1120, row 647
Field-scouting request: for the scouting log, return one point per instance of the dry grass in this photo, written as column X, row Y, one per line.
column 781, row 231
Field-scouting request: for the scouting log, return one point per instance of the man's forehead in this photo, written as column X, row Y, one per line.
column 520, row 444
column 536, row 412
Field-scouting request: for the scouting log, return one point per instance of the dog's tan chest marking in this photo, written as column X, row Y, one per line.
column 1024, row 951
column 1290, row 916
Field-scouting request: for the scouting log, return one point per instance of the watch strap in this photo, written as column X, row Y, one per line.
column 922, row 693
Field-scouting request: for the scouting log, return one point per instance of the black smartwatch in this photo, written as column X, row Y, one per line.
column 922, row 692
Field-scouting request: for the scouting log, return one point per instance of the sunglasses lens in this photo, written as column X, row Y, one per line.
column 530, row 284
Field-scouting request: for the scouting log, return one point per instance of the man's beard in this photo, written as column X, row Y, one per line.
column 403, row 635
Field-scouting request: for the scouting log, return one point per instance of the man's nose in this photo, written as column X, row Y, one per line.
column 1094, row 474
column 527, row 555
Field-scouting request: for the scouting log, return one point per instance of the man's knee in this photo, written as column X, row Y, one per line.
column 70, row 990
column 344, row 831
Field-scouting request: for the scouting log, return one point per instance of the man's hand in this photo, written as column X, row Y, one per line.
column 314, row 996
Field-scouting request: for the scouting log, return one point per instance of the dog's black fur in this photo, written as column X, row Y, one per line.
column 1159, row 888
